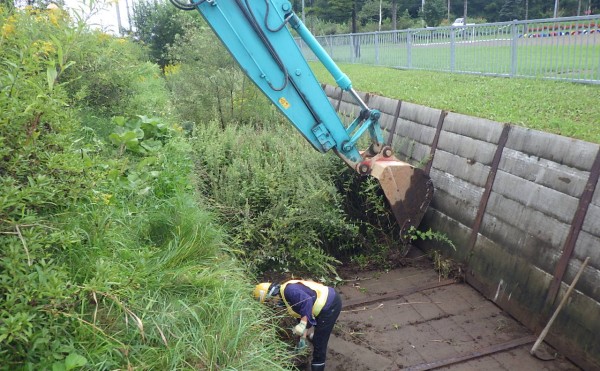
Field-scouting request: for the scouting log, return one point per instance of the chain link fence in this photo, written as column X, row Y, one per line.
column 559, row 48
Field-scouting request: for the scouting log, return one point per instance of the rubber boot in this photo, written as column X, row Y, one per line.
column 319, row 367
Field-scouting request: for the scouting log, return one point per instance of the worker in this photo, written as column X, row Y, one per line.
column 314, row 304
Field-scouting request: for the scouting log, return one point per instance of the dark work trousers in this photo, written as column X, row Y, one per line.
column 325, row 322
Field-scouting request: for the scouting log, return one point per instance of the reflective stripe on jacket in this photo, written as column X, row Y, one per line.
column 321, row 290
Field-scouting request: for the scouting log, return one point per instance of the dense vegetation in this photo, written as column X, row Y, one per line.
column 108, row 260
column 145, row 186
column 139, row 205
column 280, row 199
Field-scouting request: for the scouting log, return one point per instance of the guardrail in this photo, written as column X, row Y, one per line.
column 558, row 48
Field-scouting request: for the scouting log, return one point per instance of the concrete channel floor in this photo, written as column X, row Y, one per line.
column 410, row 319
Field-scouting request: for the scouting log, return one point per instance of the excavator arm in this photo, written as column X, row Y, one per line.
column 257, row 33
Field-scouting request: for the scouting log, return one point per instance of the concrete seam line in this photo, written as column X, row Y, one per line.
column 488, row 189
column 397, row 294
column 576, row 224
column 463, row 357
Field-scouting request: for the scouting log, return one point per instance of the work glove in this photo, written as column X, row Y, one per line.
column 299, row 329
column 301, row 345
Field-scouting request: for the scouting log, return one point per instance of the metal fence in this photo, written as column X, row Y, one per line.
column 558, row 48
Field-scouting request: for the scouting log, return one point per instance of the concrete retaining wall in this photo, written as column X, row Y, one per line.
column 522, row 207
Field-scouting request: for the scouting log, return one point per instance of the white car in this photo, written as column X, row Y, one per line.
column 460, row 22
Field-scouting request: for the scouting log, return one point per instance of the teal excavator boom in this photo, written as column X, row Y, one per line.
column 257, row 33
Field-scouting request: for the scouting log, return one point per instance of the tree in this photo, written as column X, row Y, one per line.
column 433, row 12
column 394, row 10
column 511, row 10
column 336, row 10
column 370, row 11
column 412, row 6
column 157, row 25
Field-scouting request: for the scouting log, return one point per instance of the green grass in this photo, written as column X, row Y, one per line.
column 568, row 109
column 558, row 57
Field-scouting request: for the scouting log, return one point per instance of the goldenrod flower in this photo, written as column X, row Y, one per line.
column 9, row 28
column 54, row 16
column 106, row 198
column 172, row 69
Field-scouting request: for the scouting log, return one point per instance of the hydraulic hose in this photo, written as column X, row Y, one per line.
column 191, row 6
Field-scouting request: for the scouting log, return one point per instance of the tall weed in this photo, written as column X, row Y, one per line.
column 276, row 194
column 206, row 83
column 107, row 260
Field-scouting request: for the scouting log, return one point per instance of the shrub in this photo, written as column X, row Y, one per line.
column 276, row 195
column 206, row 82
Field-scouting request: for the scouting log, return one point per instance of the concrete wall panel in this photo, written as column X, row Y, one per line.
column 387, row 122
column 592, row 221
column 471, row 149
column 529, row 221
column 421, row 114
column 588, row 282
column 457, row 232
column 526, row 220
column 547, row 173
column 333, row 92
column 508, row 279
column 384, row 105
column 412, row 152
column 571, row 152
column 588, row 245
column 455, row 197
column 473, row 127
column 446, row 203
column 474, row 173
column 537, row 252
column 349, row 109
column 415, row 131
column 534, row 196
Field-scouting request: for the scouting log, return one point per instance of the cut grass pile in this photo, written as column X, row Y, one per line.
column 567, row 109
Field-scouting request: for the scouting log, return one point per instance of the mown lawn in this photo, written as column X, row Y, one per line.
column 563, row 108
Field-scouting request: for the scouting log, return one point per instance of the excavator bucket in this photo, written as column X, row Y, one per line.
column 408, row 189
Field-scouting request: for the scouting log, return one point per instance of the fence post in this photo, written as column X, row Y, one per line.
column 352, row 48
column 452, row 49
column 513, row 48
column 376, row 48
column 408, row 50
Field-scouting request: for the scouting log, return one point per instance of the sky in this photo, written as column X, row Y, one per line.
column 105, row 19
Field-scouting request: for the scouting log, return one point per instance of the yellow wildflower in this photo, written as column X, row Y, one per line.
column 9, row 28
column 54, row 16
column 106, row 198
column 172, row 69
column 47, row 48
column 103, row 36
